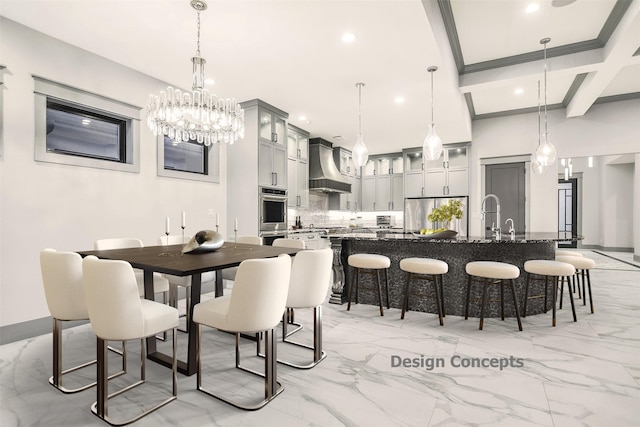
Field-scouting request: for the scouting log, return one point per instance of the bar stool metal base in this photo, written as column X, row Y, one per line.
column 486, row 282
column 375, row 271
column 436, row 279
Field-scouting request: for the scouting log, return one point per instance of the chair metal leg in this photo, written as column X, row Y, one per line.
column 515, row 303
column 272, row 387
column 546, row 292
column 438, row 300
column 484, row 300
column 573, row 307
column 589, row 287
column 100, row 406
column 379, row 292
column 405, row 299
column 386, row 285
column 555, row 294
column 502, row 284
column 58, row 373
column 442, row 294
column 353, row 285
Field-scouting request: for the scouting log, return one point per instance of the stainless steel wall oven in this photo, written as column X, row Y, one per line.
column 273, row 209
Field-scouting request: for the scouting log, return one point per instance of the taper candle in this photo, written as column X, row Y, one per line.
column 166, row 226
column 217, row 220
column 184, row 219
column 235, row 225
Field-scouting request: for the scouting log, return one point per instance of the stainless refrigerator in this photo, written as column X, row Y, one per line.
column 416, row 210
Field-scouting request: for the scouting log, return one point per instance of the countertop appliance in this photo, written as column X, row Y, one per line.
column 313, row 238
column 416, row 210
column 385, row 221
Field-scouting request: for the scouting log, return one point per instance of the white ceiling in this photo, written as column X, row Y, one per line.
column 290, row 54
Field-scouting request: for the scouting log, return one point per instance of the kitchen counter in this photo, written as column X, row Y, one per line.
column 456, row 253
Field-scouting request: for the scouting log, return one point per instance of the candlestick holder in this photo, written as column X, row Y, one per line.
column 166, row 242
column 182, row 233
column 235, row 239
column 217, row 228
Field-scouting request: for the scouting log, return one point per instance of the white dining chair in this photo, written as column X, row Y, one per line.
column 117, row 312
column 230, row 273
column 255, row 306
column 64, row 292
column 308, row 286
column 207, row 278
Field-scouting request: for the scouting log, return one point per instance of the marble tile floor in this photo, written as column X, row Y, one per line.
column 576, row 374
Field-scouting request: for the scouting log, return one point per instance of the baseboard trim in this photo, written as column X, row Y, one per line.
column 32, row 328
column 606, row 248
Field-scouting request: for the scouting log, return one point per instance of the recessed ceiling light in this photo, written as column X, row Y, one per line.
column 86, row 121
column 399, row 100
column 532, row 7
column 210, row 82
column 303, row 118
column 519, row 91
column 349, row 37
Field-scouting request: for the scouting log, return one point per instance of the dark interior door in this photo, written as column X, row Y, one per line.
column 568, row 209
column 507, row 181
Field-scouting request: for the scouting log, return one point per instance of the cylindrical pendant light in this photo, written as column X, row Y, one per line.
column 546, row 152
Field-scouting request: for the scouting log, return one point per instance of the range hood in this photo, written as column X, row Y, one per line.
column 324, row 176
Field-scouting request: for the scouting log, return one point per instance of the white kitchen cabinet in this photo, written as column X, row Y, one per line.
column 258, row 160
column 447, row 176
column 298, row 169
column 383, row 183
column 346, row 201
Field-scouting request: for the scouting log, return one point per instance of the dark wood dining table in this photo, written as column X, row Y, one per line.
column 169, row 259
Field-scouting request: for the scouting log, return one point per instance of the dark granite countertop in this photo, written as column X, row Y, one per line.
column 506, row 238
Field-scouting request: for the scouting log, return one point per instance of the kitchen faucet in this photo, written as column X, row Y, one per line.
column 496, row 230
column 512, row 230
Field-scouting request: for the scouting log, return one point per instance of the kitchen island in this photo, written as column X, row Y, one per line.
column 456, row 253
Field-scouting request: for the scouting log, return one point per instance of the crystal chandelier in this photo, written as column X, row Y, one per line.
column 197, row 115
column 360, row 153
column 432, row 145
column 546, row 151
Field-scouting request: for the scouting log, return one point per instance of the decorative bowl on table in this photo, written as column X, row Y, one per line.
column 204, row 241
column 444, row 234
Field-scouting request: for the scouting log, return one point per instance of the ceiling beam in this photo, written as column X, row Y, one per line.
column 617, row 54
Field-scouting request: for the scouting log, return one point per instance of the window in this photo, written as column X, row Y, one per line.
column 188, row 160
column 78, row 132
column 80, row 128
column 185, row 156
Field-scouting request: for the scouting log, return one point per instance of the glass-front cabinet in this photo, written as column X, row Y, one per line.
column 298, row 170
column 446, row 176
column 346, row 201
column 272, row 147
column 382, row 183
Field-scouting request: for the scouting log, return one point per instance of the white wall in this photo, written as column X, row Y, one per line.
column 616, row 222
column 636, row 209
column 609, row 128
column 68, row 207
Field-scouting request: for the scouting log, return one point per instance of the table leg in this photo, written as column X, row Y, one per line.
column 148, row 294
column 219, row 287
column 189, row 367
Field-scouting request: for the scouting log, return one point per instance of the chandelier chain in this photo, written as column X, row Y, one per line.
column 198, row 44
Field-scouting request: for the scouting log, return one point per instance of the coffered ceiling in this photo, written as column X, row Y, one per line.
column 290, row 54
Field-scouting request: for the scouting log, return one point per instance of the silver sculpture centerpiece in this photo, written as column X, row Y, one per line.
column 204, row 241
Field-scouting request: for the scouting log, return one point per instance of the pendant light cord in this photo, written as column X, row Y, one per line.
column 432, row 122
column 538, row 113
column 545, row 85
column 360, row 107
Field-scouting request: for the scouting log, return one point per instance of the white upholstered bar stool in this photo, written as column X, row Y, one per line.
column 543, row 270
column 488, row 273
column 567, row 252
column 310, row 275
column 117, row 312
column 255, row 306
column 183, row 281
column 62, row 280
column 371, row 264
column 582, row 266
column 425, row 269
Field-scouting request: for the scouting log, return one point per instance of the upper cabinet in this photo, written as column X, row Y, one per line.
column 346, row 201
column 382, row 183
column 447, row 176
column 272, row 146
column 298, row 168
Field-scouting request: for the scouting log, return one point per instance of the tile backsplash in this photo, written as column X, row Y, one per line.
column 319, row 216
